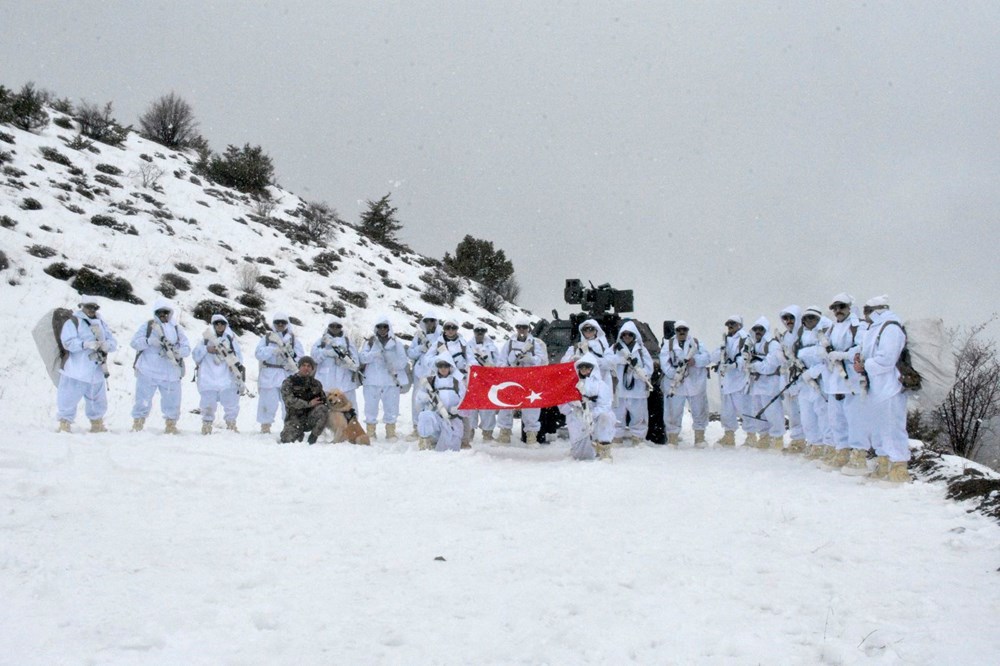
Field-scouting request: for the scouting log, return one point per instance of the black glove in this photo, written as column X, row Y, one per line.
column 633, row 361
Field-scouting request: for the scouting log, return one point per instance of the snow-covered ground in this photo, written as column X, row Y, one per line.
column 143, row 548
column 147, row 548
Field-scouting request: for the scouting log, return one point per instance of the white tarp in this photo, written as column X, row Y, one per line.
column 45, row 340
column 933, row 356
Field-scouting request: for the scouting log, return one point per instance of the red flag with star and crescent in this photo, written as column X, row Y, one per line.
column 520, row 388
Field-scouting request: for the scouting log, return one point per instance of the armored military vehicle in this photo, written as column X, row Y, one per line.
column 606, row 305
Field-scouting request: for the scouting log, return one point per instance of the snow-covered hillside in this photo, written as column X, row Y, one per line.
column 145, row 548
column 174, row 223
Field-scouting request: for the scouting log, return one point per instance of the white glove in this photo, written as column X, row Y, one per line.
column 92, row 345
column 839, row 356
column 814, row 372
column 330, row 353
column 105, row 347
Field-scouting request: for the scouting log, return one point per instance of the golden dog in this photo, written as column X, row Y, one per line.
column 342, row 420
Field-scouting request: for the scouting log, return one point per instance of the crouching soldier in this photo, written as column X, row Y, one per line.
column 87, row 341
column 219, row 360
column 439, row 424
column 305, row 404
column 591, row 422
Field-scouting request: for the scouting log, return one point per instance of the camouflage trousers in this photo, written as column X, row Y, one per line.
column 298, row 424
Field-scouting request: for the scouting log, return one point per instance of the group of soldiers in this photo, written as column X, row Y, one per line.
column 833, row 378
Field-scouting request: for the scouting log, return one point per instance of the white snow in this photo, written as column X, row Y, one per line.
column 126, row 548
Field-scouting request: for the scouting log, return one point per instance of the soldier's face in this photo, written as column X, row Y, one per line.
column 220, row 327
column 789, row 321
column 840, row 310
column 163, row 315
column 810, row 321
column 480, row 336
column 443, row 369
column 522, row 332
column 584, row 370
column 430, row 325
column 682, row 334
column 628, row 338
column 306, row 370
column 758, row 332
column 450, row 331
column 589, row 332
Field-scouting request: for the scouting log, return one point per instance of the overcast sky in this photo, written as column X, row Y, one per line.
column 716, row 157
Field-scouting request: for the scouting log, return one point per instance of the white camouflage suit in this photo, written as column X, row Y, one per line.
column 592, row 419
column 733, row 377
column 812, row 399
column 633, row 393
column 885, row 411
column 841, row 384
column 791, row 398
column 333, row 354
column 385, row 366
column 521, row 353
column 483, row 354
column 599, row 347
column 765, row 383
column 693, row 388
column 216, row 383
column 446, row 433
column 81, row 375
column 154, row 370
column 273, row 370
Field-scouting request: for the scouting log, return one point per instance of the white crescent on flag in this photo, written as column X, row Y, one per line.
column 494, row 391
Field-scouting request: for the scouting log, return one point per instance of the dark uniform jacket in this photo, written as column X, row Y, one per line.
column 297, row 391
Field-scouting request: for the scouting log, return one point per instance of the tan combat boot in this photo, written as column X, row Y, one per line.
column 814, row 451
column 699, row 439
column 829, row 452
column 424, row 444
column 881, row 468
column 265, row 428
column 231, row 425
column 97, row 425
column 531, row 439
column 64, row 426
column 138, row 424
column 370, row 431
column 504, row 436
column 796, row 446
column 778, row 443
column 487, row 435
column 466, row 439
column 390, row 432
column 839, row 458
column 763, row 441
column 171, row 427
column 603, row 451
column 898, row 472
column 727, row 439
column 857, row 463
column 672, row 439
column 206, row 428
column 751, row 439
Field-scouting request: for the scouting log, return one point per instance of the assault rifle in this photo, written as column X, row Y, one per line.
column 435, row 399
column 636, row 366
column 100, row 354
column 793, row 376
column 521, row 355
column 825, row 343
column 286, row 350
column 342, row 357
column 681, row 370
column 228, row 356
column 169, row 348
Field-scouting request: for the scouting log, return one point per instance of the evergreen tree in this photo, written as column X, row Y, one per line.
column 379, row 222
column 478, row 260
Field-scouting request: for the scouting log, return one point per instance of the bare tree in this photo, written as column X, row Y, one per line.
column 148, row 175
column 246, row 277
column 98, row 123
column 170, row 121
column 975, row 398
column 318, row 219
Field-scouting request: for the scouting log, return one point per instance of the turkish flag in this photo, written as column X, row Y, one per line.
column 520, row 388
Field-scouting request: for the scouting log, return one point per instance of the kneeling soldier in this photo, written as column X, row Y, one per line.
column 305, row 403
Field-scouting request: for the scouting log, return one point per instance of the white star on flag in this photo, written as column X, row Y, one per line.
column 534, row 397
